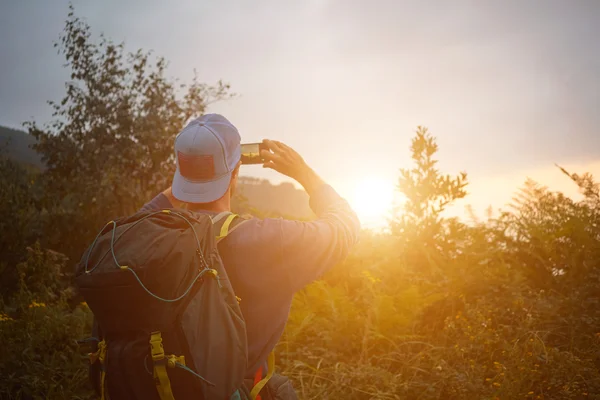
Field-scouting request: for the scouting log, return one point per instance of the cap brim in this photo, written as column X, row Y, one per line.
column 199, row 192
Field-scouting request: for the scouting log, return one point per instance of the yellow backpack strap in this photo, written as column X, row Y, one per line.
column 220, row 216
column 102, row 359
column 225, row 227
column 261, row 384
column 161, row 378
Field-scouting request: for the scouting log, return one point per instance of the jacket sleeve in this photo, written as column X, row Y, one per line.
column 309, row 249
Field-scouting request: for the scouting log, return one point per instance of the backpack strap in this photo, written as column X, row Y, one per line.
column 225, row 223
column 161, row 378
column 220, row 216
column 100, row 355
column 271, row 369
column 224, row 231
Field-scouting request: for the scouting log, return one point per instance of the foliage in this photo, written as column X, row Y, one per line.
column 109, row 148
column 502, row 309
column 426, row 190
column 39, row 356
column 19, row 216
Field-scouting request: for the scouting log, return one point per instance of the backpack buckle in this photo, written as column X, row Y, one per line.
column 173, row 360
column 156, row 347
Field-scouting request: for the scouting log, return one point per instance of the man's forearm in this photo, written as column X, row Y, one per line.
column 310, row 181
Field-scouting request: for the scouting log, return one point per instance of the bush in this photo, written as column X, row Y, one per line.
column 39, row 329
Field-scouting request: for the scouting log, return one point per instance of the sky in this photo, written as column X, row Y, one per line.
column 508, row 88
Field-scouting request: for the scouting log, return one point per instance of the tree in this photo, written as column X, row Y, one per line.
column 109, row 147
column 427, row 191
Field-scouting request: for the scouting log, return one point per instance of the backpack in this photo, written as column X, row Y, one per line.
column 168, row 324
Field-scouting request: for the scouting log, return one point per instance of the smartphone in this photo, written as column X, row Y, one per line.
column 251, row 153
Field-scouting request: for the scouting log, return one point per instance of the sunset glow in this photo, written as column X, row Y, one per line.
column 372, row 199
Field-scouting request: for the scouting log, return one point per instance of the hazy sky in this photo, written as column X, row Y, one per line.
column 505, row 86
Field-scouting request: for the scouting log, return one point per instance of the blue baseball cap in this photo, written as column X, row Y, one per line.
column 207, row 151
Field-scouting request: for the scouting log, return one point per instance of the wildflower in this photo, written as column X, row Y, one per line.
column 488, row 379
column 4, row 317
column 496, row 384
column 530, row 393
column 83, row 304
column 36, row 304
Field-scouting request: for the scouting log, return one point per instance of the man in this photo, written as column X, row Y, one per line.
column 267, row 260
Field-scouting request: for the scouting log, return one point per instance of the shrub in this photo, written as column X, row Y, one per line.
column 39, row 329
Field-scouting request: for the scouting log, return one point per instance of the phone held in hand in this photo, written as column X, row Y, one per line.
column 251, row 153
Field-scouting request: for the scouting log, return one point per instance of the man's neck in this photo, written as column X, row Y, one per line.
column 218, row 206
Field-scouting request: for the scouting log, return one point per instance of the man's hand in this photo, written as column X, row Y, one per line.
column 288, row 162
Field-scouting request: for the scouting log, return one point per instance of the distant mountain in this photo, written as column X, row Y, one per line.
column 274, row 200
column 17, row 144
column 281, row 200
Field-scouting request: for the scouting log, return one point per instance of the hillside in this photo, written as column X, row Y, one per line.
column 16, row 145
column 280, row 200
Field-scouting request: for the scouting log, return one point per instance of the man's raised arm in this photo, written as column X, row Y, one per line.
column 308, row 249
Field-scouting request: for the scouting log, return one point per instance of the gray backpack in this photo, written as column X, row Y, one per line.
column 167, row 322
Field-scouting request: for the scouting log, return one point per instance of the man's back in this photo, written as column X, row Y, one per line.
column 269, row 260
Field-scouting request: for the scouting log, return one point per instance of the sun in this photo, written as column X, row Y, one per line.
column 373, row 199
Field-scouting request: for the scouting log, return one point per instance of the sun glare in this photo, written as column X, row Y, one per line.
column 372, row 200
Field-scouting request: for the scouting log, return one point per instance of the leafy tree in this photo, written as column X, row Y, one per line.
column 425, row 239
column 109, row 147
column 427, row 191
